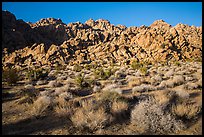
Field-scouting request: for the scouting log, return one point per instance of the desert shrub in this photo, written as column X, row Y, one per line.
column 143, row 70
column 41, row 82
column 96, row 89
column 54, row 83
column 36, row 74
column 62, row 89
column 142, row 88
column 186, row 110
column 135, row 81
column 182, row 93
column 10, row 75
column 88, row 117
column 149, row 118
column 119, row 106
column 61, row 78
column 81, row 82
column 77, row 68
column 118, row 110
column 29, row 90
column 170, row 83
column 191, row 85
column 112, row 88
column 58, row 68
column 45, row 93
column 41, row 105
column 189, row 78
column 63, row 106
column 102, row 73
column 109, row 96
column 177, row 63
column 136, row 65
column 178, row 79
column 169, row 73
column 162, row 97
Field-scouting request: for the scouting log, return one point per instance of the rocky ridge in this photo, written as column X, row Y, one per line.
column 50, row 41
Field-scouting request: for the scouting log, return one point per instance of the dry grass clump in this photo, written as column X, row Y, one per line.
column 41, row 105
column 162, row 97
column 80, row 81
column 181, row 92
column 29, row 87
column 148, row 118
column 108, row 96
column 45, row 93
column 41, row 82
column 191, row 85
column 29, row 91
column 143, row 88
column 96, row 88
column 112, row 88
column 169, row 73
column 135, row 81
column 89, row 117
column 62, row 89
column 186, row 110
column 10, row 75
column 63, row 107
column 61, row 78
column 189, row 78
column 54, row 83
column 119, row 106
column 199, row 82
column 170, row 83
column 178, row 79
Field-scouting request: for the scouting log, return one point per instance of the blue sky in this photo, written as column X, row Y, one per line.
column 125, row 13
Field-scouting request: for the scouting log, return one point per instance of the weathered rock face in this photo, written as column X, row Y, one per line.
column 50, row 40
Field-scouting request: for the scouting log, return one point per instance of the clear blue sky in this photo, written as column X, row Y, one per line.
column 125, row 13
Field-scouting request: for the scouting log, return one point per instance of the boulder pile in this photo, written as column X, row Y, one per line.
column 50, row 41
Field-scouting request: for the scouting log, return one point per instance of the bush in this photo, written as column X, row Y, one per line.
column 186, row 110
column 10, row 76
column 103, row 73
column 143, row 70
column 54, row 83
column 83, row 82
column 149, row 118
column 77, row 68
column 63, row 107
column 112, row 88
column 41, row 105
column 143, row 88
column 89, row 117
column 36, row 74
column 119, row 106
column 136, row 65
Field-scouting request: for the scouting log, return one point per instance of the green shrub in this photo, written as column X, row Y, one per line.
column 10, row 76
column 143, row 70
column 177, row 63
column 77, row 68
column 36, row 74
column 82, row 82
column 103, row 73
column 136, row 65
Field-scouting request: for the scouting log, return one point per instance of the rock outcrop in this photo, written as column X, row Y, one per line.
column 50, row 40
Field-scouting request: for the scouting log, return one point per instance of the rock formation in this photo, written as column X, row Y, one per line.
column 50, row 40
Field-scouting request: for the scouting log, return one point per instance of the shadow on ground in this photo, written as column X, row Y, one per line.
column 35, row 125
